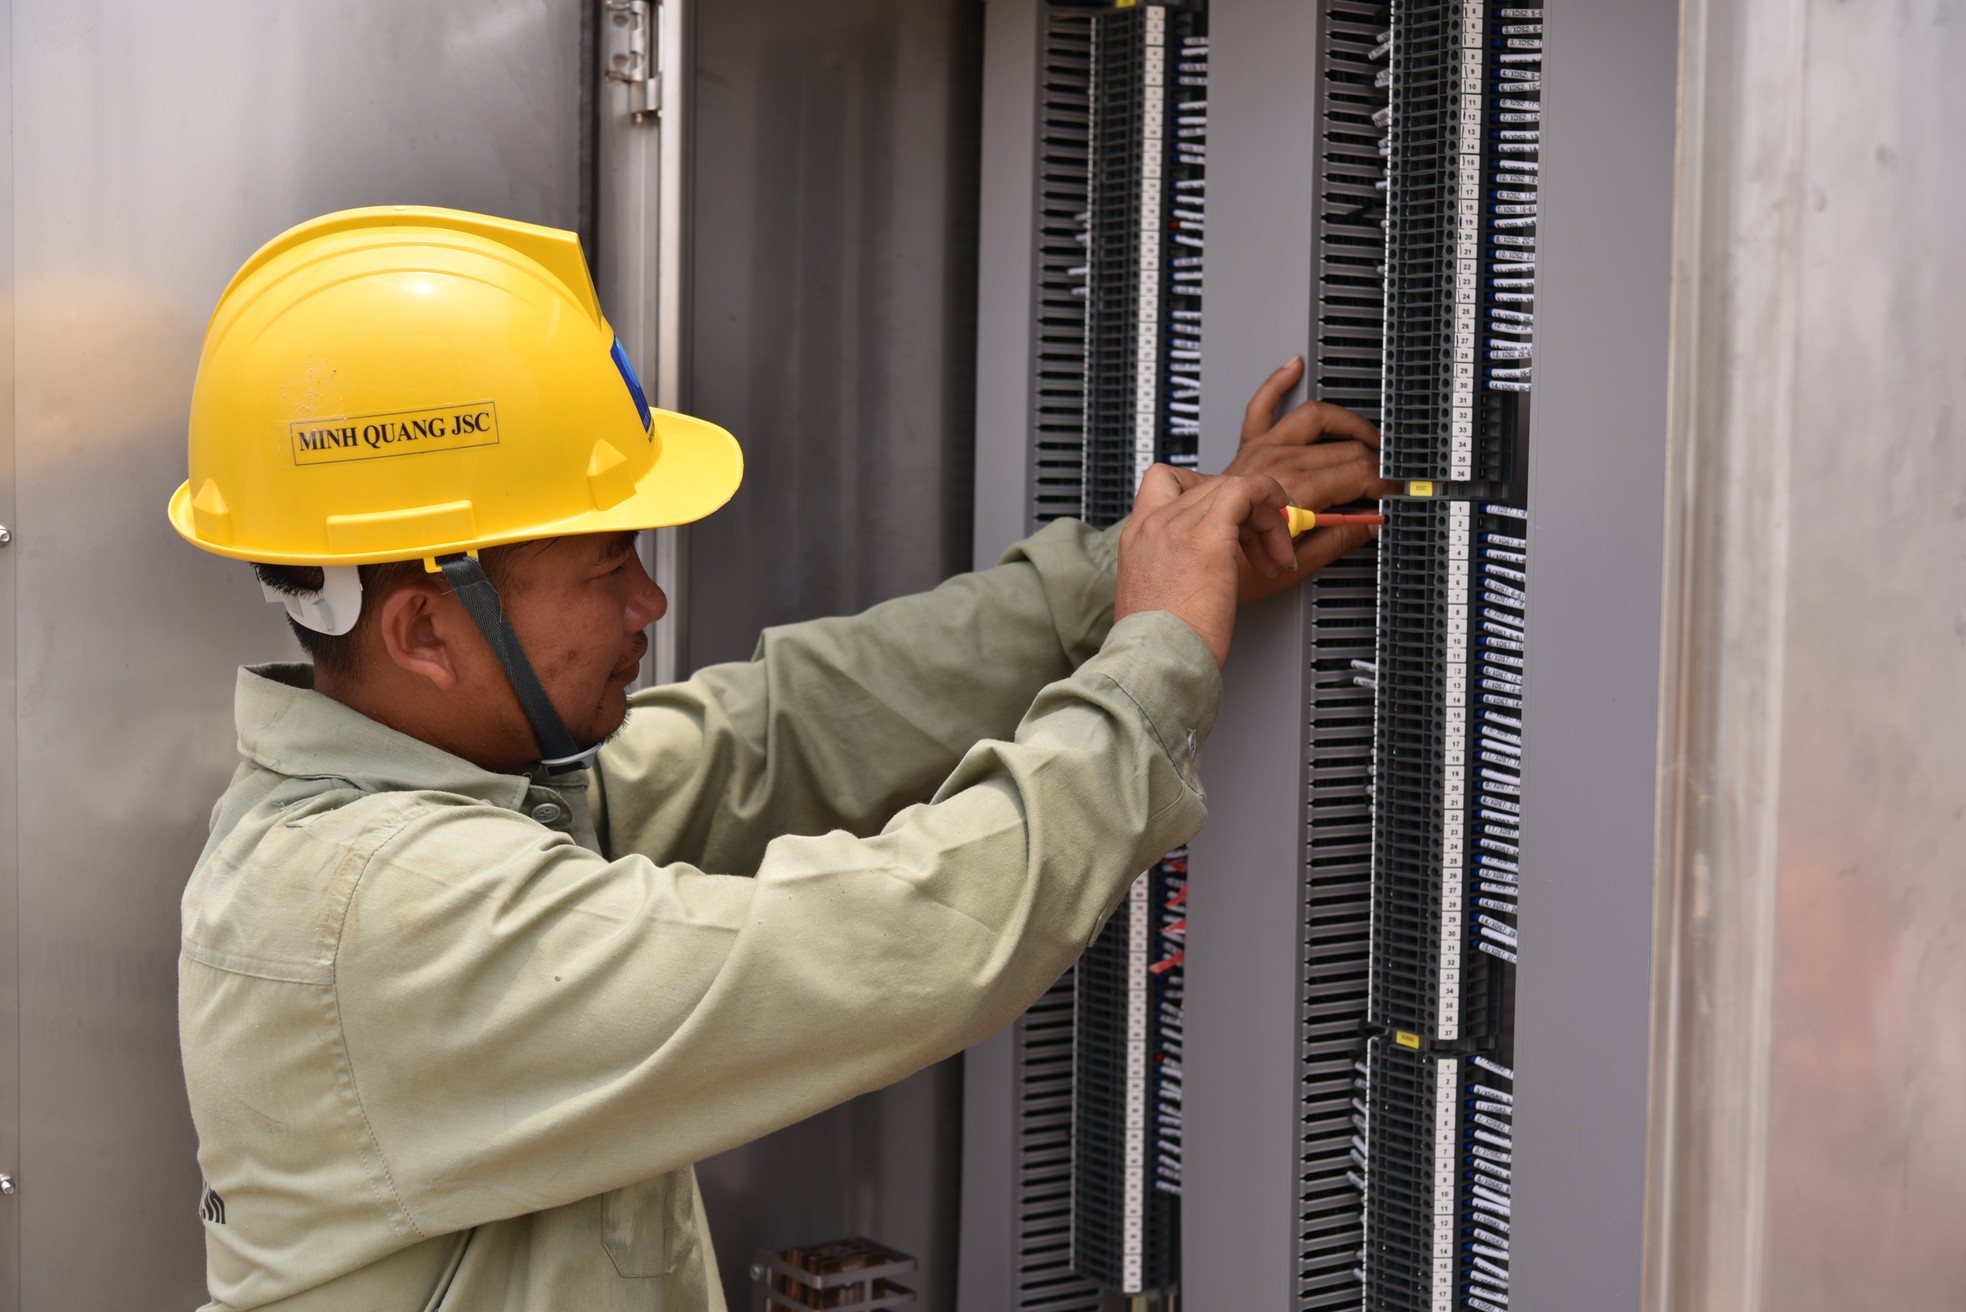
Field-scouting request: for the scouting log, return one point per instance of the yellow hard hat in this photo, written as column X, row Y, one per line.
column 400, row 383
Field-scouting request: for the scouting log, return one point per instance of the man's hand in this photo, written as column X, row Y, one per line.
column 1188, row 537
column 1315, row 474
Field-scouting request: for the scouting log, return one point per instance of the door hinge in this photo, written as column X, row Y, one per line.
column 628, row 55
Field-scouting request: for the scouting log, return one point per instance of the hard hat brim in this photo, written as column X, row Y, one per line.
column 699, row 469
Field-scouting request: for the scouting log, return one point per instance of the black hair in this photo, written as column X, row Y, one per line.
column 340, row 654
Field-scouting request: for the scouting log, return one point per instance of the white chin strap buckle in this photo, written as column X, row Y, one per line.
column 333, row 610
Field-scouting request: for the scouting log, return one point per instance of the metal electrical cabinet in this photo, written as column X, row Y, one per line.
column 831, row 273
column 153, row 148
column 1281, row 916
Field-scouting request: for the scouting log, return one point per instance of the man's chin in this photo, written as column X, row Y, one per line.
column 611, row 719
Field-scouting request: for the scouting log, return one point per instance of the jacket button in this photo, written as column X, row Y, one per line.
column 547, row 813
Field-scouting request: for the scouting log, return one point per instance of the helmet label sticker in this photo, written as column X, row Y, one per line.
column 399, row 433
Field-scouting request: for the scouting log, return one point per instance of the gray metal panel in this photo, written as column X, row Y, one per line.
column 987, row 1251
column 832, row 308
column 639, row 256
column 1810, row 1133
column 1006, row 256
column 9, row 704
column 830, row 315
column 154, row 148
column 1240, row 1075
column 1005, row 260
column 1866, row 1147
column 1597, row 478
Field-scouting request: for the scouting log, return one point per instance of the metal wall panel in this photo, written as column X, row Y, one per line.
column 1597, row 476
column 1810, row 1135
column 154, row 148
column 832, row 303
column 1867, row 1058
column 1007, row 251
column 831, row 322
column 1006, row 260
column 9, row 706
column 1239, row 1167
column 639, row 249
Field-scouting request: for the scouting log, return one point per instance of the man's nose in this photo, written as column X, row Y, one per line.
column 649, row 604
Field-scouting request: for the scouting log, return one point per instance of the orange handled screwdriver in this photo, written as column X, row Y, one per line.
column 1303, row 521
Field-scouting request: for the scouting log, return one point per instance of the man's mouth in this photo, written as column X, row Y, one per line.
column 628, row 669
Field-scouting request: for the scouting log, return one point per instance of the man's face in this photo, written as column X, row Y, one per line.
column 580, row 606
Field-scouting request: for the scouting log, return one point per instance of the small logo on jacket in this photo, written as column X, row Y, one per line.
column 212, row 1207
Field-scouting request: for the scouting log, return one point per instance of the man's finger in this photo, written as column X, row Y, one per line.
column 1262, row 409
column 1315, row 420
column 1340, row 422
column 1311, row 473
column 1162, row 484
column 1256, row 503
column 1286, row 462
column 1257, row 552
column 1334, row 485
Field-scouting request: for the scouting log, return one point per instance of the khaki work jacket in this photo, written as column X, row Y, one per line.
column 453, row 1039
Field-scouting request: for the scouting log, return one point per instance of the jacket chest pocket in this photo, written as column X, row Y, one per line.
column 646, row 1228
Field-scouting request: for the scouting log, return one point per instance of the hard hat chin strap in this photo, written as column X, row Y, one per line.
column 481, row 602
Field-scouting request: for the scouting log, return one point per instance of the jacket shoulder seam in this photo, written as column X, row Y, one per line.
column 341, row 1030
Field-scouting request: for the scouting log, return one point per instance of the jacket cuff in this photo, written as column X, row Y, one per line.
column 1166, row 670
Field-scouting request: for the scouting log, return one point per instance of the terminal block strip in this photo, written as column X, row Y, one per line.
column 1431, row 1094
column 1462, row 144
column 1448, row 802
column 1126, row 1216
column 1440, row 1129
column 1147, row 151
column 1064, row 108
column 1340, row 604
column 1336, row 929
column 1041, row 1159
column 1450, row 666
column 1145, row 222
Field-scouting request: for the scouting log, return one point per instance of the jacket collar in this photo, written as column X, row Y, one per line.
column 285, row 726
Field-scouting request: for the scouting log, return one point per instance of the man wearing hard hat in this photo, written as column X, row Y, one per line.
column 476, row 963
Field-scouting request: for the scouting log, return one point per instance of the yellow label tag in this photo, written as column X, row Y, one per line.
column 1419, row 488
column 402, row 433
column 1125, row 4
column 1405, row 1040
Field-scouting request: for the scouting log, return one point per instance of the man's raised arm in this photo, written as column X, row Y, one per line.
column 839, row 723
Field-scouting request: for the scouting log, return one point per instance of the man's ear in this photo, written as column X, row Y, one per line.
column 413, row 634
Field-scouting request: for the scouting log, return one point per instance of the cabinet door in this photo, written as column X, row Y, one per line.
column 642, row 106
column 154, row 147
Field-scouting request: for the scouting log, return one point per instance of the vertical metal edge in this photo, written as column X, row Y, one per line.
column 1005, row 288
column 985, row 1250
column 587, row 220
column 10, row 1253
column 1007, row 268
column 632, row 218
column 672, row 46
column 1240, row 1077
column 1742, row 71
column 669, row 546
column 1598, row 464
